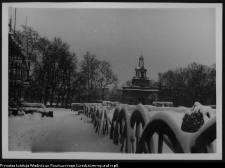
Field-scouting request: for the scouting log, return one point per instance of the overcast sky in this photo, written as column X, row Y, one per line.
column 167, row 38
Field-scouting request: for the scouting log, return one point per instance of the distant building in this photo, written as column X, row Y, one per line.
column 140, row 90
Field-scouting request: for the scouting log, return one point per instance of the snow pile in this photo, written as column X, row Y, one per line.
column 34, row 116
column 33, row 108
column 85, row 119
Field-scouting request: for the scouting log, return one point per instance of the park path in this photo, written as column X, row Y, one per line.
column 65, row 132
column 76, row 134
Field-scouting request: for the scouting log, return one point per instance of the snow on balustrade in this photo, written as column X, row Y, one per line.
column 205, row 110
column 130, row 108
column 175, row 118
column 110, row 113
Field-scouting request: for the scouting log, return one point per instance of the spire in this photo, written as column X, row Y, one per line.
column 141, row 61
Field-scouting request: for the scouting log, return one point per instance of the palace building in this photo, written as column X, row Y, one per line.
column 140, row 90
column 18, row 66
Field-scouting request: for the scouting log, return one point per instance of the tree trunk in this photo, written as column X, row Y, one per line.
column 62, row 102
column 57, row 103
column 46, row 97
column 63, row 96
column 41, row 96
column 67, row 97
column 52, row 95
column 103, row 95
column 71, row 100
column 59, row 91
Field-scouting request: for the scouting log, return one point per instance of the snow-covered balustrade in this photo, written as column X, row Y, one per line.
column 183, row 130
column 168, row 125
column 130, row 108
column 98, row 115
column 77, row 107
column 87, row 109
column 104, row 121
column 122, row 129
column 138, row 120
column 129, row 125
column 164, row 123
column 113, row 125
column 102, row 118
column 93, row 114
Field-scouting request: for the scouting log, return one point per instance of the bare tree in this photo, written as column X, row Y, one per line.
column 89, row 67
column 105, row 76
column 52, row 66
column 115, row 93
column 184, row 86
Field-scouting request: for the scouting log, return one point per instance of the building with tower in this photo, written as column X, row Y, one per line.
column 140, row 90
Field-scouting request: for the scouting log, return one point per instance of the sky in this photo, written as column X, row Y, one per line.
column 167, row 38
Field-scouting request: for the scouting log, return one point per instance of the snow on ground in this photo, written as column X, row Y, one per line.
column 64, row 132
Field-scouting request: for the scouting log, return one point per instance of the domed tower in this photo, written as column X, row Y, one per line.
column 140, row 78
column 140, row 91
column 141, row 70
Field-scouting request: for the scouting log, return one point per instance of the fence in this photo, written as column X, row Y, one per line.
column 135, row 128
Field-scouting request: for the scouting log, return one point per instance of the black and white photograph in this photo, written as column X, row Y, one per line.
column 130, row 81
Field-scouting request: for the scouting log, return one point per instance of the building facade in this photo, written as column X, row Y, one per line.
column 140, row 90
column 18, row 67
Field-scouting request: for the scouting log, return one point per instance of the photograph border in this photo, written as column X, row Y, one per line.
column 111, row 156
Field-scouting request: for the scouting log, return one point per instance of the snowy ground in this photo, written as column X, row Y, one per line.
column 65, row 132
